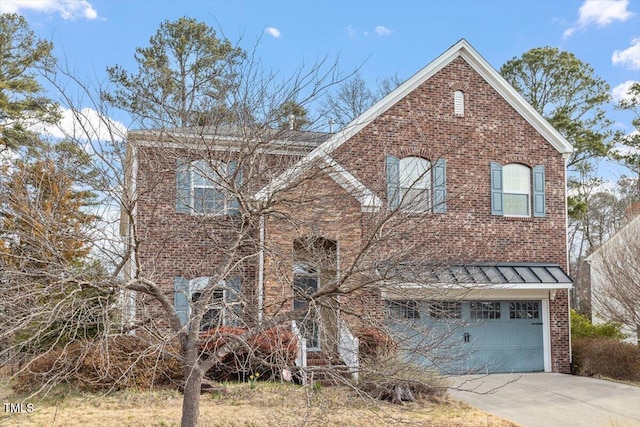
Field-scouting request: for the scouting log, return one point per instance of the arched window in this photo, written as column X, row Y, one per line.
column 517, row 189
column 415, row 183
column 458, row 103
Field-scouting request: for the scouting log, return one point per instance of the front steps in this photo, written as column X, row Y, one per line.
column 326, row 368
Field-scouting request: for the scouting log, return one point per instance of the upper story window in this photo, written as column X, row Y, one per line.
column 207, row 185
column 224, row 307
column 415, row 184
column 458, row 103
column 517, row 190
column 204, row 187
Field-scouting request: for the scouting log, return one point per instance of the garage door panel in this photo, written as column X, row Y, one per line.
column 510, row 341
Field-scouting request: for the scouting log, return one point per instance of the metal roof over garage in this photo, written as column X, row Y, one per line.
column 477, row 273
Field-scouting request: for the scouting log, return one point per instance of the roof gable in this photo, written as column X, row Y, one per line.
column 461, row 49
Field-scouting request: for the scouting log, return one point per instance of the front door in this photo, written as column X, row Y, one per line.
column 306, row 282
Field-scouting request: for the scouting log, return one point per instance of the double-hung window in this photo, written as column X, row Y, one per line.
column 207, row 188
column 415, row 184
column 224, row 307
column 517, row 190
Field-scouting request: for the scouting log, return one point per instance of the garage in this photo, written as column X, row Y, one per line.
column 488, row 319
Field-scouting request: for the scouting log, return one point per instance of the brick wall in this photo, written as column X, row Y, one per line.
column 421, row 124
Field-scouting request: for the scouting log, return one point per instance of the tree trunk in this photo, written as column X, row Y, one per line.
column 191, row 397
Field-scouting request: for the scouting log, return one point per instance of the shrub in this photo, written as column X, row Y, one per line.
column 581, row 327
column 111, row 364
column 265, row 353
column 607, row 357
column 374, row 342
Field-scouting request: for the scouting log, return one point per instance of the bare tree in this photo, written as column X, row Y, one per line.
column 353, row 97
column 615, row 268
column 241, row 244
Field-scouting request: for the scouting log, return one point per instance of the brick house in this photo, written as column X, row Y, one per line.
column 442, row 205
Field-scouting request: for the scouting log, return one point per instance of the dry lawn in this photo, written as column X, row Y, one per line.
column 268, row 404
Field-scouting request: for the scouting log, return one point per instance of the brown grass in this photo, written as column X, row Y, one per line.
column 268, row 404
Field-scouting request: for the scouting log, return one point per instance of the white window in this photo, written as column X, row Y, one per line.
column 458, row 103
column 517, row 189
column 206, row 188
column 214, row 314
column 223, row 309
column 415, row 184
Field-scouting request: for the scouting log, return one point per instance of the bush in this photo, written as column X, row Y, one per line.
column 581, row 327
column 266, row 353
column 374, row 343
column 607, row 357
column 111, row 364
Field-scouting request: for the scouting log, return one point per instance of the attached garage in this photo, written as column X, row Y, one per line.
column 490, row 318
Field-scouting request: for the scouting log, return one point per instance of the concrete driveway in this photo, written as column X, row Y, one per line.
column 541, row 399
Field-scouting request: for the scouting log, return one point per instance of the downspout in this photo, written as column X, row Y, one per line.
column 129, row 297
column 566, row 245
column 261, row 270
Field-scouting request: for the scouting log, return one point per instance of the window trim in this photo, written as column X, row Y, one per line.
column 437, row 176
column 186, row 173
column 185, row 289
column 537, row 191
column 423, row 183
column 521, row 167
column 200, row 169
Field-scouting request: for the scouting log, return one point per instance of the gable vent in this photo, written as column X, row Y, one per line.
column 458, row 103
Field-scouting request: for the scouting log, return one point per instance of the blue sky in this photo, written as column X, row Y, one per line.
column 381, row 37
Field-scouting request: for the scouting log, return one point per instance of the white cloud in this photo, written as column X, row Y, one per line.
column 600, row 13
column 630, row 57
column 625, row 150
column 84, row 125
column 380, row 30
column 272, row 31
column 383, row 31
column 622, row 91
column 67, row 9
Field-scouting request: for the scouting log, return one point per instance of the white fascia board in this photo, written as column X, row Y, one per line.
column 367, row 198
column 482, row 67
column 226, row 145
column 476, row 286
column 477, row 292
column 500, row 85
column 369, row 202
column 290, row 175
